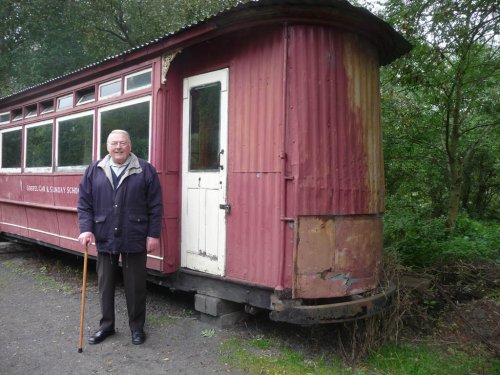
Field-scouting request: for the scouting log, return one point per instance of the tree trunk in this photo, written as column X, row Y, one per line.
column 453, row 138
column 454, row 203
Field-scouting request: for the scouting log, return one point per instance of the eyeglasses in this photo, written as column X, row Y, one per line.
column 122, row 143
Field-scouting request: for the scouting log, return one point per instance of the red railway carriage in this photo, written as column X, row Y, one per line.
column 264, row 125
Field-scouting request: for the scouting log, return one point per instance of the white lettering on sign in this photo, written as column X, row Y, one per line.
column 52, row 189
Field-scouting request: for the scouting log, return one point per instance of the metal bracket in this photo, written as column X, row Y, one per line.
column 226, row 207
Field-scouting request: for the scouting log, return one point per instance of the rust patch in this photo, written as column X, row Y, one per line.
column 337, row 256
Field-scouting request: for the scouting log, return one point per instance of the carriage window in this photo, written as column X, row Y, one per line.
column 74, row 141
column 205, row 125
column 138, row 81
column 4, row 118
column 85, row 96
column 65, row 102
column 31, row 111
column 39, row 146
column 46, row 107
column 11, row 142
column 134, row 117
column 17, row 114
column 109, row 89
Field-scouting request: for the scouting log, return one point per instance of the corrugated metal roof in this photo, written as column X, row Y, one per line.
column 401, row 45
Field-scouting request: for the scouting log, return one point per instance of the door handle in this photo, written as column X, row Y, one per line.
column 226, row 207
column 221, row 152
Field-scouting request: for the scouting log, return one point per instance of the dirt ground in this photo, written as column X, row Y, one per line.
column 40, row 299
column 40, row 320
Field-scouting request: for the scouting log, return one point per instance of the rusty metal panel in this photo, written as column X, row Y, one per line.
column 337, row 256
column 334, row 120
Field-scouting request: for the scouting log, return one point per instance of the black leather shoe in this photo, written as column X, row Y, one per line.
column 138, row 337
column 100, row 336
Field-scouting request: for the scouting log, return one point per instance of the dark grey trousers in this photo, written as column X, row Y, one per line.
column 134, row 280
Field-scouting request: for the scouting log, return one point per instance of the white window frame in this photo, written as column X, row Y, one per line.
column 47, row 110
column 2, row 132
column 121, row 105
column 18, row 117
column 59, row 99
column 37, row 169
column 28, row 115
column 76, row 168
column 127, row 90
column 109, row 83
column 5, row 122
column 80, row 101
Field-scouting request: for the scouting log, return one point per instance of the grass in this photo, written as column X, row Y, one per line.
column 43, row 277
column 264, row 356
column 426, row 360
column 159, row 320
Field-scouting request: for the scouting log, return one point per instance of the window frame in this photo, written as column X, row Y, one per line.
column 25, row 148
column 8, row 118
column 127, row 90
column 45, row 107
column 29, row 111
column 76, row 168
column 16, row 115
column 83, row 93
column 109, row 83
column 60, row 98
column 142, row 99
column 2, row 132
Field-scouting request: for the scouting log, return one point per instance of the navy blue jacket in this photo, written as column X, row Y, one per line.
column 121, row 218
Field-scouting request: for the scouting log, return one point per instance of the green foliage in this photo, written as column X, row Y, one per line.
column 389, row 359
column 440, row 106
column 422, row 360
column 44, row 39
column 273, row 358
column 423, row 240
column 261, row 343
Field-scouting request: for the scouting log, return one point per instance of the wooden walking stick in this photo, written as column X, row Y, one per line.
column 84, row 286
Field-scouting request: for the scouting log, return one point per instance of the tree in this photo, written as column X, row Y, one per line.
column 43, row 39
column 449, row 86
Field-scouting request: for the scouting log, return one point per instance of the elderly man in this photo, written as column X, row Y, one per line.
column 120, row 206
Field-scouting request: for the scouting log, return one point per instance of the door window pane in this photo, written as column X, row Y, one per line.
column 133, row 118
column 11, row 149
column 39, row 146
column 74, row 142
column 204, row 127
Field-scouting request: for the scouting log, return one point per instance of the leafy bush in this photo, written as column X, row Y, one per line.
column 422, row 240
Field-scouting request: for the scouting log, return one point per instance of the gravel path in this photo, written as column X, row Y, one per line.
column 40, row 317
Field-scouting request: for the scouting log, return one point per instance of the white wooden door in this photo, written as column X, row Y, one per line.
column 204, row 172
